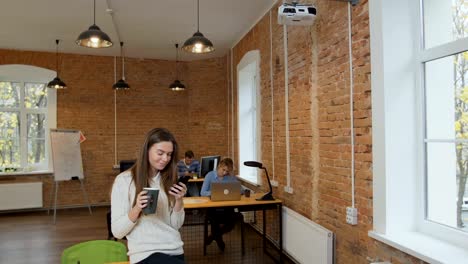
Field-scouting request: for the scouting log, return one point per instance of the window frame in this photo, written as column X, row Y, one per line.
column 399, row 178
column 31, row 74
column 435, row 53
column 250, row 57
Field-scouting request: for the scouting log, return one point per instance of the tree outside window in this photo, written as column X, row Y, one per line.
column 23, row 117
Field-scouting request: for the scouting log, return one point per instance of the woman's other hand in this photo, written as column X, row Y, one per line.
column 141, row 202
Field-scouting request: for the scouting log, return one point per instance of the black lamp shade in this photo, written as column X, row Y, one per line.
column 94, row 38
column 121, row 85
column 198, row 44
column 255, row 164
column 177, row 86
column 57, row 84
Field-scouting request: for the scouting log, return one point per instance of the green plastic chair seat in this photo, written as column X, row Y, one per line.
column 95, row 252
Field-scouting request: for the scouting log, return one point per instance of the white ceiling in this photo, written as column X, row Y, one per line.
column 148, row 28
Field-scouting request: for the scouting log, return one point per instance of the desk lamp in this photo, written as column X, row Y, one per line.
column 269, row 195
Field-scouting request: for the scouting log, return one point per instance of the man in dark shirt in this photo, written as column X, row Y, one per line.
column 189, row 167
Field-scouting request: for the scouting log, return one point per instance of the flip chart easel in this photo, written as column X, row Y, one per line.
column 66, row 157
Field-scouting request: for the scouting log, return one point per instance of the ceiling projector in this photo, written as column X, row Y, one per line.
column 296, row 14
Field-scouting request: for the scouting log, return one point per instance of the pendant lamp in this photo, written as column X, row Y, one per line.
column 198, row 43
column 94, row 37
column 56, row 82
column 121, row 84
column 177, row 85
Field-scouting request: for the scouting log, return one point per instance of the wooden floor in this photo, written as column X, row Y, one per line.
column 31, row 237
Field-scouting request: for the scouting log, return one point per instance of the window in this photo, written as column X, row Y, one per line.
column 446, row 111
column 248, row 114
column 446, row 108
column 27, row 112
column 420, row 115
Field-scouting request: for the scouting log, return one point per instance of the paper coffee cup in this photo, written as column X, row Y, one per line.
column 153, row 194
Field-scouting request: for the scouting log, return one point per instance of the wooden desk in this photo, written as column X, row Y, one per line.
column 197, row 180
column 245, row 204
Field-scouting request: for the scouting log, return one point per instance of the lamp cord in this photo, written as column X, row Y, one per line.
column 56, row 56
column 176, row 60
column 198, row 15
column 123, row 60
column 94, row 12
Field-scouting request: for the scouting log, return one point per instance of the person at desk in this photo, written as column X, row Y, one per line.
column 222, row 220
column 188, row 166
column 152, row 238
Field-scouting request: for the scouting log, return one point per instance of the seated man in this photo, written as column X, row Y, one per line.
column 222, row 220
column 189, row 167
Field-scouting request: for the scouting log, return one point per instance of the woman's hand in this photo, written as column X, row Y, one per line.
column 141, row 202
column 178, row 190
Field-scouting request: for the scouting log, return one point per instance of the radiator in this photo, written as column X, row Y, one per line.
column 20, row 195
column 306, row 241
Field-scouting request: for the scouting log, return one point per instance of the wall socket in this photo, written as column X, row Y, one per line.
column 274, row 183
column 351, row 215
column 288, row 189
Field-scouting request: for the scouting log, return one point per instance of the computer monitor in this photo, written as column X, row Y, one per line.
column 208, row 163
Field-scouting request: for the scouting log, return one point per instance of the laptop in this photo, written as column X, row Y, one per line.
column 225, row 191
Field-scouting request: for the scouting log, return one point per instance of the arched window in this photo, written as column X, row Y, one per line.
column 27, row 112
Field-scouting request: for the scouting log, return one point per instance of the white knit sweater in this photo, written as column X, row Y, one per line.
column 150, row 233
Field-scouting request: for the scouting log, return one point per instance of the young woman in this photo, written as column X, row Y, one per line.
column 152, row 238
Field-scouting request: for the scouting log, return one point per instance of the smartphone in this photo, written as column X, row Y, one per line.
column 184, row 179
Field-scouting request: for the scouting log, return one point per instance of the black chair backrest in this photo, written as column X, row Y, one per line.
column 126, row 164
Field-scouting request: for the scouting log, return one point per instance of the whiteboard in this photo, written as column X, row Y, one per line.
column 66, row 154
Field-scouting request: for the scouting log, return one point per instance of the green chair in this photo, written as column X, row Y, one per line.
column 95, row 252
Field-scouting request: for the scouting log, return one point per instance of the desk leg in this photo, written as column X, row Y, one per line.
column 242, row 235
column 264, row 231
column 205, row 233
column 280, row 221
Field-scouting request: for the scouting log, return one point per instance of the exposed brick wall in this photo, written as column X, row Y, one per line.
column 197, row 116
column 319, row 122
column 319, row 117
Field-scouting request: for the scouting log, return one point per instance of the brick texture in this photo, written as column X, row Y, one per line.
column 318, row 108
column 320, row 122
column 197, row 116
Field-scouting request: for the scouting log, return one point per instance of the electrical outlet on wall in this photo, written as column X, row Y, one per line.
column 351, row 215
column 288, row 189
column 274, row 183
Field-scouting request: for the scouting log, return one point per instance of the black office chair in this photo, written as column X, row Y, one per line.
column 124, row 165
column 110, row 236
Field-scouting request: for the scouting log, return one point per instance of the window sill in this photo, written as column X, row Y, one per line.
column 247, row 181
column 17, row 173
column 424, row 247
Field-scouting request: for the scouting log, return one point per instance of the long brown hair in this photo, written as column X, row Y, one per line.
column 142, row 172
